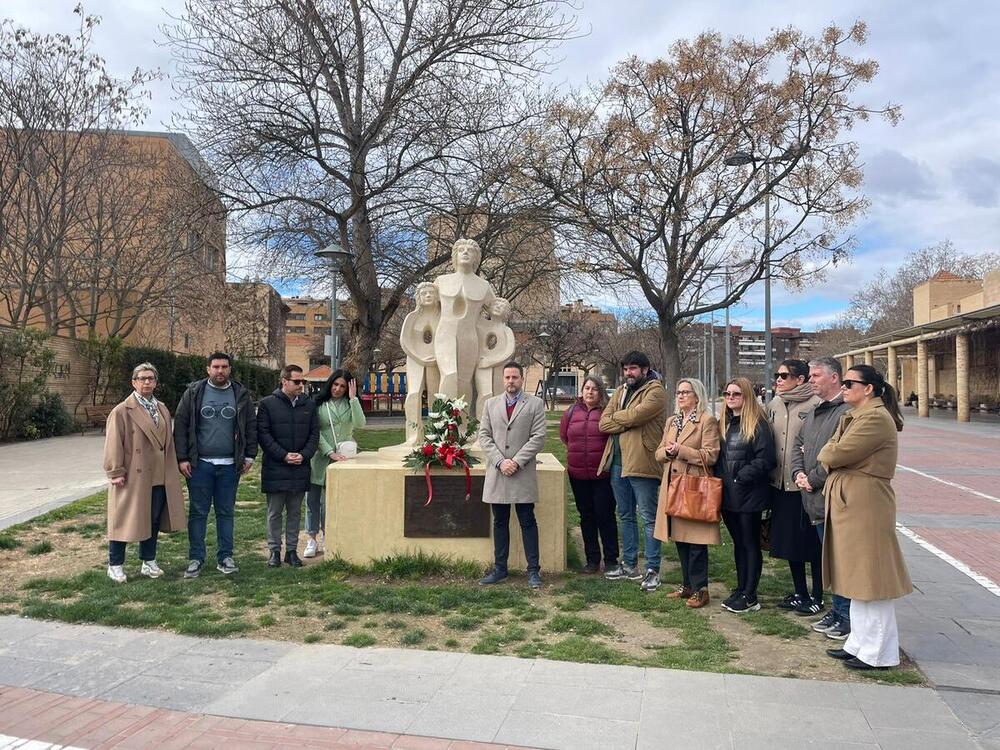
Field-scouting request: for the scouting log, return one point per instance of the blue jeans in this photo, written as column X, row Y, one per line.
column 629, row 493
column 211, row 485
column 316, row 510
column 841, row 604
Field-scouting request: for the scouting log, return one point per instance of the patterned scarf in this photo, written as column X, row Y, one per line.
column 149, row 404
column 679, row 420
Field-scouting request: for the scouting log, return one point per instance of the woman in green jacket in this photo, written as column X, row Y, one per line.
column 339, row 413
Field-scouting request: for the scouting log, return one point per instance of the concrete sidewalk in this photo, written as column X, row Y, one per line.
column 492, row 699
column 44, row 474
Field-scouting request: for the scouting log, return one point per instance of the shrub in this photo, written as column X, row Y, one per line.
column 50, row 417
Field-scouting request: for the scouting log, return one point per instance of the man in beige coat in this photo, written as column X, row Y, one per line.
column 512, row 432
column 634, row 418
column 145, row 493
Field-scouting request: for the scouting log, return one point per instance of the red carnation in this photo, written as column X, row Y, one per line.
column 443, row 449
column 428, row 450
column 456, row 413
column 459, row 453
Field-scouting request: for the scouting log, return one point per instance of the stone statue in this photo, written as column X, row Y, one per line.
column 416, row 337
column 463, row 296
column 496, row 346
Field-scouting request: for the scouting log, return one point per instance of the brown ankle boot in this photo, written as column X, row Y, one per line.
column 698, row 599
column 682, row 593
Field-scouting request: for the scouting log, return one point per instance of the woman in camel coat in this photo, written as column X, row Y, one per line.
column 690, row 444
column 861, row 555
column 145, row 493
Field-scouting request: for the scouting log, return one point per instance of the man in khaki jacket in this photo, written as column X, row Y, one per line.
column 634, row 419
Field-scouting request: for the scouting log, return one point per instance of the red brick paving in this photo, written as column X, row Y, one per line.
column 978, row 549
column 103, row 725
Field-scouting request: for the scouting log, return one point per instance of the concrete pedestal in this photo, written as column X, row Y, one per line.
column 364, row 514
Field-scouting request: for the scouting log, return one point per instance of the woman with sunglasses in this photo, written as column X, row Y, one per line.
column 861, row 555
column 792, row 535
column 339, row 412
column 746, row 457
column 690, row 445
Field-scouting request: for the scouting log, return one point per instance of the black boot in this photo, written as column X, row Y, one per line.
column 292, row 558
column 274, row 561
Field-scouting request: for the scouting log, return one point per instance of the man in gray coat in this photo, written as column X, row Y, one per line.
column 512, row 432
column 810, row 475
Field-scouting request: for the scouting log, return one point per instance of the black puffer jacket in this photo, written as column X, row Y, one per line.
column 283, row 429
column 744, row 467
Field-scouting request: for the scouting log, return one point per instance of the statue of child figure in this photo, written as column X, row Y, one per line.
column 416, row 337
column 496, row 346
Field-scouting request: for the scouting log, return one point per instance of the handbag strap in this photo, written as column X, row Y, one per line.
column 333, row 430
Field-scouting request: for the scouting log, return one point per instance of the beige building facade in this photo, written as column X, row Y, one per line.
column 950, row 357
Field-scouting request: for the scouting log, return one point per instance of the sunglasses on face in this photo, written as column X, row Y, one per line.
column 783, row 375
column 848, row 383
column 733, row 394
column 684, row 393
column 297, row 381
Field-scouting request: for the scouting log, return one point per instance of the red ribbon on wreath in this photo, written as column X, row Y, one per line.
column 449, row 455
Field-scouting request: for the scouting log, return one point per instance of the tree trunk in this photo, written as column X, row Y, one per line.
column 670, row 345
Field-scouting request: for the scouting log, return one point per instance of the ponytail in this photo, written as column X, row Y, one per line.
column 882, row 389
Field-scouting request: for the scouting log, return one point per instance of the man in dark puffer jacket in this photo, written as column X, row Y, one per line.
column 288, row 432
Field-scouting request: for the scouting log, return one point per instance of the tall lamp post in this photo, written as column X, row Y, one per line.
column 337, row 257
column 544, row 337
column 741, row 159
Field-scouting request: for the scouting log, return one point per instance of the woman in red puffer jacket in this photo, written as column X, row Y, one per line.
column 592, row 491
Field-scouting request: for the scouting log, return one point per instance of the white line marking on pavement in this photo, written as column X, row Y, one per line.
column 22, row 744
column 958, row 565
column 977, row 493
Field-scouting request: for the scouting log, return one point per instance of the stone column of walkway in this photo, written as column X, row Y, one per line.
column 923, row 396
column 962, row 375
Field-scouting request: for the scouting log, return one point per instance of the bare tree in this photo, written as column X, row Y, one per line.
column 57, row 106
column 638, row 168
column 886, row 303
column 334, row 121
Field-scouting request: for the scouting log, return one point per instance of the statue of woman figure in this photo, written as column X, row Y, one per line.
column 463, row 295
column 496, row 346
column 416, row 338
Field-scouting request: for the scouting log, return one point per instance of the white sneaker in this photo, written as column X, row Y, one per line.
column 117, row 573
column 310, row 550
column 150, row 569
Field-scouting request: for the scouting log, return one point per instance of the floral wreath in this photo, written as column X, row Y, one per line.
column 444, row 441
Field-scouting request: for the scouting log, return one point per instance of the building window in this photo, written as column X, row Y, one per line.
column 320, row 316
column 296, row 316
column 187, row 340
column 321, row 331
column 295, row 329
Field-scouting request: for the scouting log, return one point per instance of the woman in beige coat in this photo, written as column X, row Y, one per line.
column 690, row 444
column 145, row 493
column 861, row 555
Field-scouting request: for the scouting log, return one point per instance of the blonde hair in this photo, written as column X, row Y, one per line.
column 752, row 413
column 700, row 393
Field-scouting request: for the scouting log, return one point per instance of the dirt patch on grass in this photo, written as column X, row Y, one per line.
column 72, row 553
column 636, row 636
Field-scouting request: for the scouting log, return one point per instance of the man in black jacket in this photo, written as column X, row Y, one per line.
column 288, row 431
column 810, row 475
column 215, row 434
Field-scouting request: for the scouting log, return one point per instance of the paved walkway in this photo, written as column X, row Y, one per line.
column 491, row 699
column 948, row 488
column 43, row 474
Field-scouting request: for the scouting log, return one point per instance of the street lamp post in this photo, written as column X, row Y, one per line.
column 337, row 256
column 729, row 373
column 544, row 337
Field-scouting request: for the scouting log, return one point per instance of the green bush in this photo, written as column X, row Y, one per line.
column 25, row 363
column 50, row 417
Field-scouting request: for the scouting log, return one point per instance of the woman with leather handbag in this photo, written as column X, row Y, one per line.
column 689, row 494
column 745, row 461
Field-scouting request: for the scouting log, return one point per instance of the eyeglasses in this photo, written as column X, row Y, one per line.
column 783, row 375
column 847, row 383
column 733, row 394
column 146, row 378
column 684, row 393
column 297, row 381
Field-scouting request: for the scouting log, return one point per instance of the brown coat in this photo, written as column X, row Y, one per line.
column 638, row 427
column 861, row 555
column 699, row 441
column 144, row 454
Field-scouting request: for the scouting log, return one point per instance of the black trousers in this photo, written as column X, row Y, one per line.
column 501, row 534
column 147, row 547
column 694, row 565
column 596, row 503
column 744, row 528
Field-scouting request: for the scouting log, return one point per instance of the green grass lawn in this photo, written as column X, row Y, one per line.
column 57, row 561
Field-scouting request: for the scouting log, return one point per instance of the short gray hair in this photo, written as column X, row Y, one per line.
column 831, row 364
column 700, row 392
column 145, row 366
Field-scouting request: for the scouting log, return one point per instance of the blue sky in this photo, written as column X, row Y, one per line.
column 935, row 176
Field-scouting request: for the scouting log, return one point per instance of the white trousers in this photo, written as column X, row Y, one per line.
column 874, row 637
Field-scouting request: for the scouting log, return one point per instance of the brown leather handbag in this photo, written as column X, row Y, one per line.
column 695, row 498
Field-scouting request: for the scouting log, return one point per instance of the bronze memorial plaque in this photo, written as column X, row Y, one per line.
column 449, row 514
